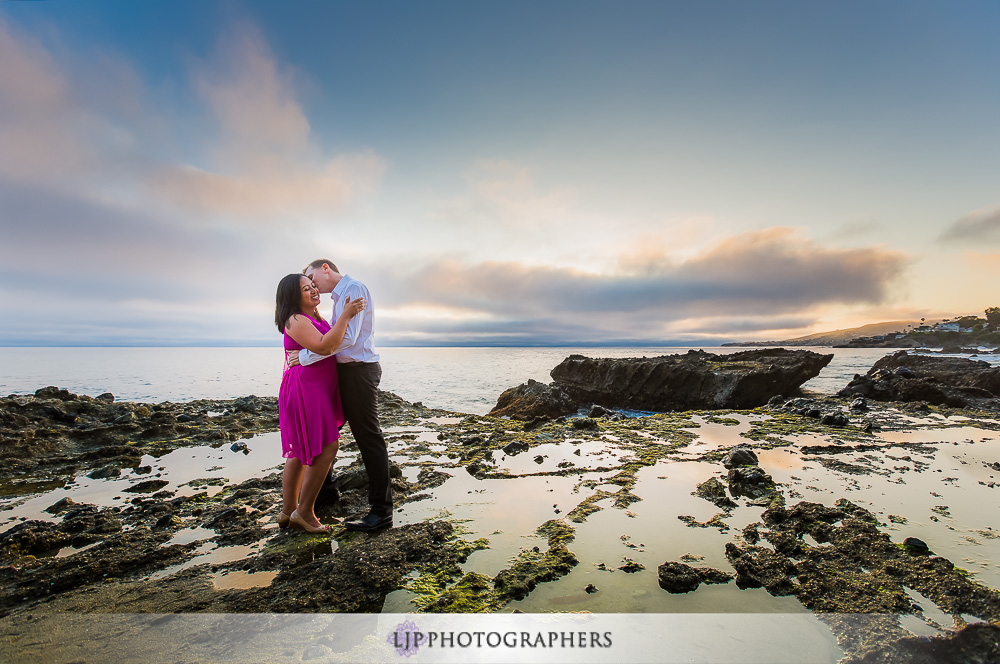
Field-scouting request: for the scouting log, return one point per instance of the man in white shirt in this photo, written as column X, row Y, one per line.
column 359, row 373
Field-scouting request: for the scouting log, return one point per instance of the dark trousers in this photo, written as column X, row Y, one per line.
column 359, row 398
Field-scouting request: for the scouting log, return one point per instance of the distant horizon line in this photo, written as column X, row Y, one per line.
column 605, row 344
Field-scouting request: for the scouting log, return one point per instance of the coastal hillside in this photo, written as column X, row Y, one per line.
column 839, row 337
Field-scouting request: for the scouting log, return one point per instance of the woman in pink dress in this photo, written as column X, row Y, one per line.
column 309, row 412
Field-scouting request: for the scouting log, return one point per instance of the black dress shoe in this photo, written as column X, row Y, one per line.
column 370, row 523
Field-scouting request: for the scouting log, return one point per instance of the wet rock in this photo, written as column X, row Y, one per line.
column 916, row 546
column 835, row 420
column 590, row 589
column 248, row 404
column 585, row 423
column 859, row 404
column 947, row 381
column 52, row 392
column 599, row 411
column 714, row 491
column 147, row 486
column 62, row 505
column 105, row 472
column 751, row 482
column 739, row 456
column 515, row 448
column 675, row 577
column 696, row 380
column 106, row 397
column 758, row 567
column 168, row 521
column 532, row 400
column 631, row 567
column 31, row 538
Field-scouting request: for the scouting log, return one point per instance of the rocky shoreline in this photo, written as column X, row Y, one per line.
column 140, row 551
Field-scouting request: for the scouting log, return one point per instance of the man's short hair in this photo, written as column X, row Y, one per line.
column 318, row 263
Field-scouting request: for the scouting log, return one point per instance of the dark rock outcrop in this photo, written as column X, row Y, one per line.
column 695, row 380
column 533, row 399
column 941, row 381
column 677, row 577
column 739, row 456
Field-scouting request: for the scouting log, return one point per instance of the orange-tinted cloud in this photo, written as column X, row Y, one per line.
column 754, row 276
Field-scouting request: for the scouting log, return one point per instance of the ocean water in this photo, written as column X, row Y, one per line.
column 466, row 380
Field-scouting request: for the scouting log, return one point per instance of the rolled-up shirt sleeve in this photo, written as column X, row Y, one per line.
column 307, row 357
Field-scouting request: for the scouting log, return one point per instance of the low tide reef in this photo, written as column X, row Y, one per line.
column 692, row 381
column 794, row 498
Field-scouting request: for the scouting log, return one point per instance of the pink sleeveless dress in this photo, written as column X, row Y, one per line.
column 309, row 411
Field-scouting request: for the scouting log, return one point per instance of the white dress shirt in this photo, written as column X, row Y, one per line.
column 358, row 344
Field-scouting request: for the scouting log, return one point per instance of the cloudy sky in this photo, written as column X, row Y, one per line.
column 507, row 172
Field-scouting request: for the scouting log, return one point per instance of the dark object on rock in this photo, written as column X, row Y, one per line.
column 515, row 448
column 533, row 399
column 691, row 381
column 631, row 567
column 713, row 491
column 584, row 423
column 107, row 396
column 61, row 506
column 916, row 546
column 52, row 392
column 591, row 589
column 472, row 440
column 105, row 472
column 184, row 417
column 835, row 420
column 677, row 577
column 221, row 517
column 942, row 381
column 239, row 446
column 751, row 482
column 739, row 456
column 598, row 411
column 249, row 404
column 859, row 404
column 168, row 521
column 147, row 486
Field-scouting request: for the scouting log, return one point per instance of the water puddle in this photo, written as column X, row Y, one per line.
column 184, row 472
column 931, row 621
column 554, row 457
column 210, row 553
column 506, row 512
column 444, row 420
column 190, row 535
column 67, row 551
column 238, row 579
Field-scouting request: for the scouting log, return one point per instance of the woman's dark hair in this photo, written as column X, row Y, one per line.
column 288, row 300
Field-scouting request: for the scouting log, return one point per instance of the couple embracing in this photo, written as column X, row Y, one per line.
column 331, row 377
